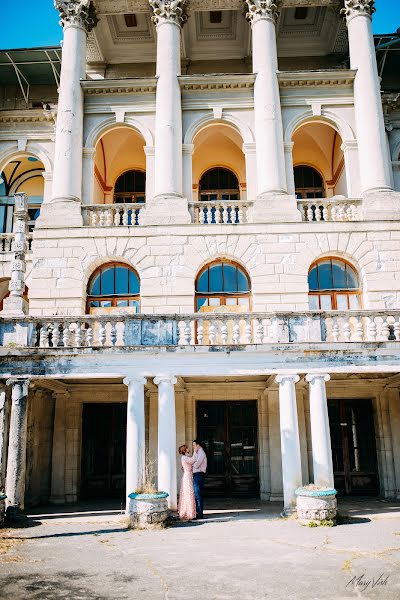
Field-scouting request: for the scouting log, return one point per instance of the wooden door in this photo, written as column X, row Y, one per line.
column 228, row 430
column 353, row 447
column 103, row 450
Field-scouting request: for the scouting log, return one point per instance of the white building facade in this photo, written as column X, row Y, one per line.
column 216, row 255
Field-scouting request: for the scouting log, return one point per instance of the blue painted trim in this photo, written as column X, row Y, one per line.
column 315, row 493
column 158, row 496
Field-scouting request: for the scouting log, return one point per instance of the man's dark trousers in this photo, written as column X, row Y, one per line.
column 198, row 484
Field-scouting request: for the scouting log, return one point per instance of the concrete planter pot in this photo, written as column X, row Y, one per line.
column 147, row 510
column 316, row 505
column 2, row 508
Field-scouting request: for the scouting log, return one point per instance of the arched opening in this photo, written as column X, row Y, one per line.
column 113, row 286
column 130, row 187
column 319, row 161
column 120, row 167
column 218, row 160
column 223, row 283
column 219, row 184
column 333, row 285
column 23, row 173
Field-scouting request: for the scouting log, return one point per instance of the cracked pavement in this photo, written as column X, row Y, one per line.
column 242, row 550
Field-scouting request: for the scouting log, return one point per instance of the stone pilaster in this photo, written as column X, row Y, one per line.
column 273, row 203
column 135, row 436
column 167, row 451
column 320, row 432
column 3, row 434
column 16, row 305
column 16, row 458
column 77, row 18
column 168, row 204
column 59, row 448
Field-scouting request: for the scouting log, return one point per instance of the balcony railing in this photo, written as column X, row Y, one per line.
column 209, row 329
column 334, row 209
column 112, row 215
column 220, row 211
column 6, row 242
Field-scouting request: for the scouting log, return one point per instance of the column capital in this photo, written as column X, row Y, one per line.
column 134, row 379
column 78, row 13
column 356, row 8
column 263, row 9
column 169, row 11
column 311, row 377
column 282, row 377
column 165, row 379
column 19, row 388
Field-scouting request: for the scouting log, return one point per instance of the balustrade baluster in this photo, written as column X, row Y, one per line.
column 44, row 336
column 247, row 331
column 113, row 333
column 266, row 323
column 258, row 331
column 125, row 216
column 78, row 335
column 187, row 333
column 224, row 331
column 65, row 335
column 109, row 217
column 224, row 214
column 200, row 331
column 396, row 329
column 335, row 329
column 55, row 338
column 89, row 336
column 371, row 329
column 359, row 330
column 346, row 329
column 385, row 330
column 310, row 212
column 102, row 334
column 117, row 216
column 218, row 214
column 318, row 214
column 212, row 332
column 94, row 217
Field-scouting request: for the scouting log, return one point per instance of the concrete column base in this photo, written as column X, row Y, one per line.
column 382, row 205
column 275, row 208
column 166, row 210
column 60, row 214
column 15, row 306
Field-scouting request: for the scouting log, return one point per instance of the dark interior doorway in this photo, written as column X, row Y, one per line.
column 103, row 450
column 353, row 447
column 228, row 430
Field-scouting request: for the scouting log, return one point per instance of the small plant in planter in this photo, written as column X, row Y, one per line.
column 2, row 507
column 148, row 507
column 316, row 506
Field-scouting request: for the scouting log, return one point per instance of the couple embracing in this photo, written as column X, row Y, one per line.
column 194, row 469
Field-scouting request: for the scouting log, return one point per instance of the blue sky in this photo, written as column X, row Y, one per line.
column 38, row 26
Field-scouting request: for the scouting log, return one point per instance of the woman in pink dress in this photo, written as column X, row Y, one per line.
column 187, row 502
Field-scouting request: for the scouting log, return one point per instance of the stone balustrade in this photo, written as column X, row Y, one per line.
column 335, row 209
column 224, row 211
column 209, row 329
column 111, row 215
column 6, row 242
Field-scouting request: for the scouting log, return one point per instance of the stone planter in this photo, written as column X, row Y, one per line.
column 2, row 508
column 316, row 505
column 147, row 510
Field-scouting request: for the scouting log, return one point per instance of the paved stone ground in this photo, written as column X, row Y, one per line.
column 246, row 554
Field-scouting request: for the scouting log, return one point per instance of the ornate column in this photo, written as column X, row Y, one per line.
column 3, row 434
column 77, row 18
column 380, row 202
column 168, row 204
column 58, row 462
column 15, row 304
column 273, row 201
column 16, row 457
column 320, row 432
column 290, row 443
column 135, row 435
column 167, row 453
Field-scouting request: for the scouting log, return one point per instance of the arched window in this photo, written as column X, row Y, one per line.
column 219, row 184
column 308, row 183
column 130, row 188
column 222, row 283
column 114, row 286
column 333, row 285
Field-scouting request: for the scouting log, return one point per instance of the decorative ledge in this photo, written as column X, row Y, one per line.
column 217, row 81
column 329, row 78
column 139, row 85
column 27, row 116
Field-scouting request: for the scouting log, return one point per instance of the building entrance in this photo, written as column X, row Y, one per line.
column 353, row 447
column 103, row 450
column 228, row 430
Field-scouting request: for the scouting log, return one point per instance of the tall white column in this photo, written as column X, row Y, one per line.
column 3, row 434
column 379, row 199
column 167, row 452
column 16, row 456
column 320, row 432
column 135, row 435
column 290, row 443
column 58, row 461
column 77, row 18
column 168, row 204
column 273, row 201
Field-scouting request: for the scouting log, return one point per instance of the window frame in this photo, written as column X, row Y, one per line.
column 310, row 192
column 222, row 296
column 112, row 298
column 334, row 293
column 204, row 194
column 132, row 197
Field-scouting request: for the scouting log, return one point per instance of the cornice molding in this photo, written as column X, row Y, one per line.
column 192, row 83
column 28, row 116
column 98, row 87
column 331, row 78
column 112, row 7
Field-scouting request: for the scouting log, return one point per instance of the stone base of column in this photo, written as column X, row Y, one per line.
column 14, row 306
column 166, row 210
column 275, row 208
column 381, row 205
column 62, row 213
column 289, row 512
